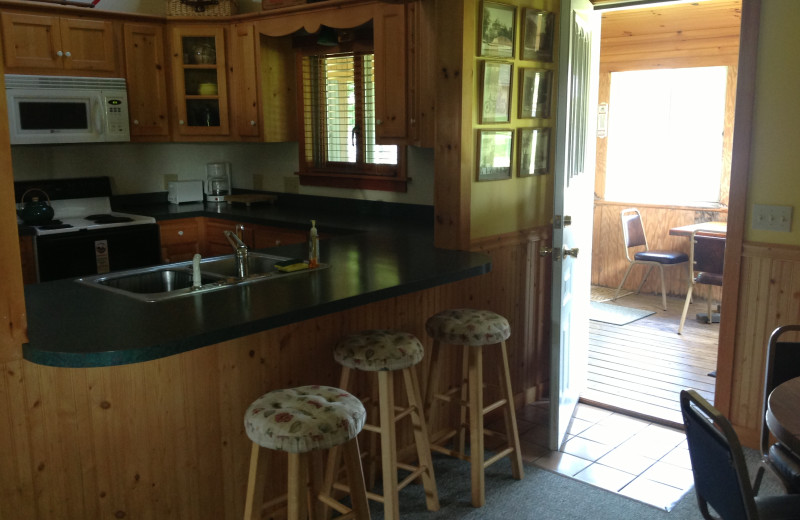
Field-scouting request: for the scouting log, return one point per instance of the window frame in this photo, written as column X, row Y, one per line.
column 381, row 177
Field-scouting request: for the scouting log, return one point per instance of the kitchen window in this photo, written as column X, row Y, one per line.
column 339, row 145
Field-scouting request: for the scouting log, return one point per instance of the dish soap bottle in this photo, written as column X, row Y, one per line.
column 313, row 246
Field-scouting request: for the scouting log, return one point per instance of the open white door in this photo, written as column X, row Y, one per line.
column 579, row 45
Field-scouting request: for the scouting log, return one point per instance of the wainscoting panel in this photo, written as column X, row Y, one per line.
column 165, row 439
column 769, row 297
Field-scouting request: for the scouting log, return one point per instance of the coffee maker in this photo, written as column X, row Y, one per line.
column 218, row 181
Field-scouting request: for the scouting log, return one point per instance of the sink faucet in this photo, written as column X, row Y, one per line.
column 241, row 253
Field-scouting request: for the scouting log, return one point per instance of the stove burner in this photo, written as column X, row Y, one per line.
column 105, row 218
column 54, row 224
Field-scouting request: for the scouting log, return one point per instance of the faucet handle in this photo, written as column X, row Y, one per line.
column 239, row 230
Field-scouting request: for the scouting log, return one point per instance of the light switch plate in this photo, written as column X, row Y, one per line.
column 767, row 217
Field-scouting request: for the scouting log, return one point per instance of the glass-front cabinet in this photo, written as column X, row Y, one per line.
column 200, row 85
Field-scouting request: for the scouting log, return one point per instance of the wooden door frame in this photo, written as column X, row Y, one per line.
column 737, row 207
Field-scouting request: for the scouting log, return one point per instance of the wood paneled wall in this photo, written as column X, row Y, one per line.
column 165, row 439
column 608, row 254
column 769, row 296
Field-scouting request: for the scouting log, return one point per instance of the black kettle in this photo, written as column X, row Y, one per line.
column 35, row 211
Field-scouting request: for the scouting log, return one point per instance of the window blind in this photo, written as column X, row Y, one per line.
column 339, row 114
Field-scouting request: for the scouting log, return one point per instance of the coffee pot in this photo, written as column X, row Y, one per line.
column 218, row 181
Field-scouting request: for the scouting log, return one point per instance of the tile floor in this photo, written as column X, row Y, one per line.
column 644, row 461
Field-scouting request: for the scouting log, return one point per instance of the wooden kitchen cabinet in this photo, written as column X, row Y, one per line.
column 146, row 74
column 28, row 257
column 245, row 99
column 269, row 236
column 181, row 239
column 42, row 43
column 390, row 74
column 199, row 75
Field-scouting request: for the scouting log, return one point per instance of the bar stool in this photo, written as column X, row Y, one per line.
column 302, row 421
column 387, row 352
column 473, row 329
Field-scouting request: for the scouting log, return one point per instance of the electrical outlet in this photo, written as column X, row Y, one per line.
column 169, row 177
column 772, row 218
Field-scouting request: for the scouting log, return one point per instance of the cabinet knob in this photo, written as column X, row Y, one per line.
column 278, row 242
column 59, row 54
column 252, row 123
column 180, row 233
column 180, row 122
column 135, row 121
column 67, row 54
column 378, row 122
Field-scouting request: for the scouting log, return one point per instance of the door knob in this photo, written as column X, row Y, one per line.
column 544, row 251
column 571, row 252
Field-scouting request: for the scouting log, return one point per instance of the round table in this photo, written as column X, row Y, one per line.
column 783, row 414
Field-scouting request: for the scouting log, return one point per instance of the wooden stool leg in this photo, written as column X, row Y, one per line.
column 462, row 423
column 297, row 493
column 431, row 409
column 334, row 454
column 256, row 481
column 317, row 509
column 355, row 478
column 476, row 425
column 512, row 433
column 391, row 503
column 421, row 438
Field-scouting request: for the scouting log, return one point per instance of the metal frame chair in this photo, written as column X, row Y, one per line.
column 783, row 363
column 720, row 472
column 633, row 236
column 706, row 263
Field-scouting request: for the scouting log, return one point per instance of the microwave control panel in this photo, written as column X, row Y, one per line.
column 116, row 109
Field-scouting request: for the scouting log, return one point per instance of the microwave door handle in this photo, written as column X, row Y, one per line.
column 98, row 117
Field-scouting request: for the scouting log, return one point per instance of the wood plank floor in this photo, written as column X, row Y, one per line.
column 640, row 368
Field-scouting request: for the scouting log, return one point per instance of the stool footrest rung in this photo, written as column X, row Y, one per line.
column 449, row 452
column 502, row 454
column 494, row 406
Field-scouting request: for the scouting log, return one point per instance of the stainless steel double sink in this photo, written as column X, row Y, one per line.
column 162, row 282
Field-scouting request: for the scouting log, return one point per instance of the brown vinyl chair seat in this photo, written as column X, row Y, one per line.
column 706, row 261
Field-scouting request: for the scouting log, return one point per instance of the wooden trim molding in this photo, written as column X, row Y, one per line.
column 740, row 173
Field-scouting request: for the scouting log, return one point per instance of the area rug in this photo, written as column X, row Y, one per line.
column 615, row 314
column 604, row 294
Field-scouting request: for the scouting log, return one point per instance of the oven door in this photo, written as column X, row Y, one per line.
column 69, row 255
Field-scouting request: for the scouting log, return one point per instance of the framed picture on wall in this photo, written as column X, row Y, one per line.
column 535, row 92
column 537, row 35
column 497, row 30
column 494, row 154
column 496, row 92
column 534, row 151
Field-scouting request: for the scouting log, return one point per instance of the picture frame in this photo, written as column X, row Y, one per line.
column 494, row 154
column 498, row 28
column 496, row 83
column 535, row 93
column 538, row 28
column 534, row 151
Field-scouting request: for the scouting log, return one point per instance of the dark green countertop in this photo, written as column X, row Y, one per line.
column 371, row 259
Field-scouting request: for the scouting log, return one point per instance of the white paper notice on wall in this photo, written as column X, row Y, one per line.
column 602, row 120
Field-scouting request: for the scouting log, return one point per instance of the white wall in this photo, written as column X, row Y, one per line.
column 140, row 167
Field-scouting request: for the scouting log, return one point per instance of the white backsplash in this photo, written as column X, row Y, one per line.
column 140, row 168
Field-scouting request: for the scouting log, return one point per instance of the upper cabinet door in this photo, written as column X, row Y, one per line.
column 88, row 44
column 33, row 41
column 390, row 72
column 200, row 80
column 244, row 75
column 146, row 73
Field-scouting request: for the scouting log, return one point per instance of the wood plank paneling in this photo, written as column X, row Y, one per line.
column 769, row 294
column 165, row 439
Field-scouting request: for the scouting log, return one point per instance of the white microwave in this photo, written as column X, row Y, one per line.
column 66, row 109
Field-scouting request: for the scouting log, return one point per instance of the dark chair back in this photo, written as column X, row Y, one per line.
column 783, row 364
column 632, row 228
column 718, row 465
column 708, row 258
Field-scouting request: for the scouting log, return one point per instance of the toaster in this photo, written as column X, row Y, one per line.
column 185, row 191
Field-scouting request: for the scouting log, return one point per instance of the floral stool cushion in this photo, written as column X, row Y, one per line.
column 468, row 327
column 374, row 350
column 305, row 418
